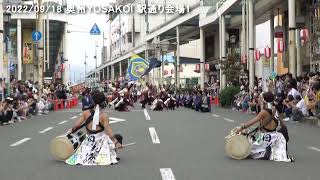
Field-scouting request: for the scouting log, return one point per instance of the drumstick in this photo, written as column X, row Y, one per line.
column 125, row 145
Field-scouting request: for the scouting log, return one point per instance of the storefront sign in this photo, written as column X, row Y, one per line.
column 27, row 46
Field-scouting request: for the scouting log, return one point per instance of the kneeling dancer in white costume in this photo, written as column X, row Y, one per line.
column 99, row 147
column 271, row 143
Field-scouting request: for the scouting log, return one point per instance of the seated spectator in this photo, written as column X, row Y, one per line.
column 278, row 103
column 205, row 106
column 32, row 106
column 189, row 100
column 288, row 105
column 299, row 112
column 6, row 111
column 197, row 101
column 245, row 102
column 254, row 104
column 42, row 106
column 170, row 102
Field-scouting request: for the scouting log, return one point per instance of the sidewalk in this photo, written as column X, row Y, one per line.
column 309, row 120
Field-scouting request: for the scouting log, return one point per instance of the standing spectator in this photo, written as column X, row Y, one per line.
column 87, row 101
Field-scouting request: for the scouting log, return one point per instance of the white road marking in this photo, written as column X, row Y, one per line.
column 146, row 114
column 62, row 122
column 115, row 120
column 229, row 120
column 314, row 148
column 154, row 136
column 73, row 117
column 215, row 115
column 167, row 174
column 45, row 130
column 20, row 142
column 136, row 110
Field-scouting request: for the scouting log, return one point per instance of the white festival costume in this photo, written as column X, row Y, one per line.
column 96, row 149
column 277, row 143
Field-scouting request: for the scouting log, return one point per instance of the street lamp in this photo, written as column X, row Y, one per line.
column 7, row 20
column 164, row 46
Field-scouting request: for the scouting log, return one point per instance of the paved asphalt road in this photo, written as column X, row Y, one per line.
column 184, row 145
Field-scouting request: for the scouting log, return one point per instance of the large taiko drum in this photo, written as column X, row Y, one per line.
column 62, row 147
column 237, row 146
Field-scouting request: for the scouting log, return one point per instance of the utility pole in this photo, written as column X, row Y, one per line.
column 1, row 50
column 95, row 71
column 40, row 47
column 85, row 67
column 251, row 46
column 292, row 37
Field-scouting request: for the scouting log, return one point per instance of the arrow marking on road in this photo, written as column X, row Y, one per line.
column 215, row 115
column 20, row 142
column 314, row 148
column 62, row 122
column 167, row 174
column 73, row 117
column 229, row 120
column 115, row 120
column 45, row 130
column 154, row 136
column 146, row 114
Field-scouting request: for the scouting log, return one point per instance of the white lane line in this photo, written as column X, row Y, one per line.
column 73, row 117
column 20, row 142
column 167, row 174
column 45, row 130
column 146, row 114
column 229, row 120
column 215, row 115
column 115, row 120
column 136, row 110
column 154, row 136
column 62, row 122
column 314, row 148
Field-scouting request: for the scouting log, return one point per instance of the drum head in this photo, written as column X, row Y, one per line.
column 61, row 148
column 238, row 147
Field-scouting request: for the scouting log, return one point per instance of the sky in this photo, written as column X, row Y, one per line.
column 80, row 42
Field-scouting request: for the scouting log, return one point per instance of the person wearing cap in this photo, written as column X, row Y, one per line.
column 270, row 144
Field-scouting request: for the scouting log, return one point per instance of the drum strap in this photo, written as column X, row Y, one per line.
column 88, row 121
column 253, row 132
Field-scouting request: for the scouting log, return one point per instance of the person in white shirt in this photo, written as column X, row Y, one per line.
column 292, row 89
column 300, row 111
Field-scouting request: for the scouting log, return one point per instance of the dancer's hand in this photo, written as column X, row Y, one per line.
column 238, row 130
column 118, row 145
column 69, row 131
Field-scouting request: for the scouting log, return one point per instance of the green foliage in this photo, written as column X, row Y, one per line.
column 232, row 67
column 226, row 96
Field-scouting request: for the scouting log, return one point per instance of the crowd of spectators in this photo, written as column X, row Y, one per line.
column 296, row 98
column 22, row 100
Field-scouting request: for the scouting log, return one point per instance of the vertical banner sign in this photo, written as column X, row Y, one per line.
column 27, row 46
column 5, row 63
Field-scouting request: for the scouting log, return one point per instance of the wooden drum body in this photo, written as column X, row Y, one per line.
column 62, row 147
